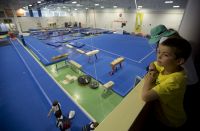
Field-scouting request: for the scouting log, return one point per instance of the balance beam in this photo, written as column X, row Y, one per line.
column 75, row 64
column 55, row 58
column 69, row 46
column 116, row 62
column 80, row 51
column 91, row 53
column 59, row 58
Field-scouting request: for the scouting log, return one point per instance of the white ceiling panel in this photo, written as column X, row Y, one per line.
column 146, row 4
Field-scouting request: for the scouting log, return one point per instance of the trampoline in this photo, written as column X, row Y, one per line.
column 77, row 44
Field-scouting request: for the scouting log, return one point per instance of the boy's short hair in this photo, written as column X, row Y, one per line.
column 55, row 102
column 182, row 46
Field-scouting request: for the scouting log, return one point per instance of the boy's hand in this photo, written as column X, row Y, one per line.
column 151, row 76
column 152, row 67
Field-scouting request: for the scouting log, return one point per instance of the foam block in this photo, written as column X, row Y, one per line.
column 108, row 85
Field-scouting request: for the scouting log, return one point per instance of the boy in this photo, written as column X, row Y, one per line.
column 63, row 123
column 55, row 108
column 166, row 81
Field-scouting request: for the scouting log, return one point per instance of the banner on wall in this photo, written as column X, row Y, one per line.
column 138, row 22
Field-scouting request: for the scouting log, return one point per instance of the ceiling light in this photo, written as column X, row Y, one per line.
column 114, row 6
column 39, row 2
column 168, row 2
column 176, row 6
column 29, row 5
column 102, row 7
column 74, row 2
column 96, row 4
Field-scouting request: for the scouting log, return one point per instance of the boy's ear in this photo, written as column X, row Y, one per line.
column 180, row 61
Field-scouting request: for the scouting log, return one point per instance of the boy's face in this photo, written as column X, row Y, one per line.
column 166, row 56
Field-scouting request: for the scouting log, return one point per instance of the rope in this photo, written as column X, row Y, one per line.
column 136, row 5
column 95, row 71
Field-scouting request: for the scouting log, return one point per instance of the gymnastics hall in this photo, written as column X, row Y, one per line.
column 89, row 55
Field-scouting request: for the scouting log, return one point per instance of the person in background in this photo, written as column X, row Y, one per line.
column 22, row 39
column 63, row 123
column 165, row 83
column 90, row 126
column 56, row 107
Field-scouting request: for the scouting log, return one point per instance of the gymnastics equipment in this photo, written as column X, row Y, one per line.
column 69, row 79
column 108, row 85
column 69, row 46
column 114, row 64
column 91, row 53
column 94, row 84
column 75, row 44
column 55, row 58
column 80, row 51
column 60, row 58
column 84, row 79
column 75, row 65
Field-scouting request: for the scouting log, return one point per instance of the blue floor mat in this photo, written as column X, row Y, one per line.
column 29, row 113
column 137, row 52
column 134, row 48
column 43, row 52
column 20, row 98
column 100, row 68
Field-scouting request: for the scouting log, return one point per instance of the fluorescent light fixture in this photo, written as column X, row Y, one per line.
column 29, row 5
column 39, row 2
column 168, row 2
column 86, row 8
column 96, row 4
column 74, row 2
column 176, row 6
column 139, row 6
column 102, row 7
column 115, row 6
column 75, row 9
